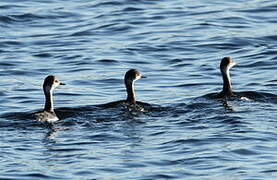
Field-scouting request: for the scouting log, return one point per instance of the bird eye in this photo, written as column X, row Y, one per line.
column 56, row 81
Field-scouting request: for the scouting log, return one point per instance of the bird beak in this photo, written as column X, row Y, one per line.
column 143, row 77
column 62, row 83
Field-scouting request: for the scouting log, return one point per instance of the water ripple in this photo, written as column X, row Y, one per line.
column 184, row 132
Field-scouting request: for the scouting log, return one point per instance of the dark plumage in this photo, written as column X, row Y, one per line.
column 48, row 114
column 226, row 64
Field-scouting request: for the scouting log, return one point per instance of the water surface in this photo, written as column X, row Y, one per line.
column 178, row 45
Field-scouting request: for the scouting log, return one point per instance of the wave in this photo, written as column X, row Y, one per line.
column 248, row 96
column 95, row 113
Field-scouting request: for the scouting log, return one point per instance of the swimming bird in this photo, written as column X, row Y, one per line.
column 226, row 64
column 48, row 114
column 129, row 79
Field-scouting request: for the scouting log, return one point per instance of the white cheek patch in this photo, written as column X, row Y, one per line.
column 56, row 85
column 137, row 77
column 231, row 65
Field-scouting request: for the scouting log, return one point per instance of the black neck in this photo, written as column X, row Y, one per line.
column 131, row 97
column 49, row 106
column 227, row 87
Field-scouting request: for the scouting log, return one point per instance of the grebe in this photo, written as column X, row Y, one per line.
column 48, row 114
column 226, row 64
column 130, row 77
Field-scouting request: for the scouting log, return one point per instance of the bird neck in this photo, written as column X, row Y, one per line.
column 227, row 87
column 131, row 96
column 49, row 105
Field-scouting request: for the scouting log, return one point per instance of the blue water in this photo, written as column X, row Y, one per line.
column 178, row 45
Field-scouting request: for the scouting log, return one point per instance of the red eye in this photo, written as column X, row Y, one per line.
column 56, row 81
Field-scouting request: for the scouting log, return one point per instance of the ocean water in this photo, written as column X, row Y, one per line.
column 178, row 45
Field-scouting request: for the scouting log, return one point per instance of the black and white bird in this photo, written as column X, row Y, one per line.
column 48, row 114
